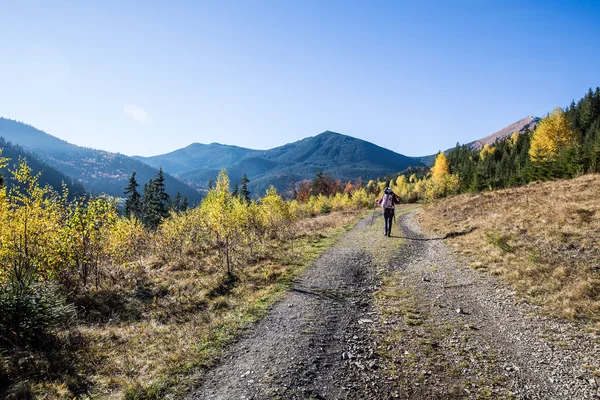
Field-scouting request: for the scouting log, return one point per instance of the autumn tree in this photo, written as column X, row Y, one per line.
column 31, row 221
column 224, row 215
column 349, row 188
column 442, row 181
column 85, row 237
column 553, row 135
column 304, row 192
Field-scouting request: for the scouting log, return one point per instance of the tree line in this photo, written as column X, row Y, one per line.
column 565, row 144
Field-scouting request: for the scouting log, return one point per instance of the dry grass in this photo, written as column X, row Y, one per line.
column 156, row 339
column 543, row 238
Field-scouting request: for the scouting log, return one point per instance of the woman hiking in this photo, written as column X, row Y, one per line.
column 387, row 202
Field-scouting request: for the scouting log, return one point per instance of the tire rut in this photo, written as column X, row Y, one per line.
column 528, row 355
column 295, row 352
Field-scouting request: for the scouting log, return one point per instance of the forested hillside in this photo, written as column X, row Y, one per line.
column 343, row 157
column 522, row 125
column 99, row 171
column 565, row 144
column 48, row 175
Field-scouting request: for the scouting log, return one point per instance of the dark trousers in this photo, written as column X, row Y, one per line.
column 388, row 216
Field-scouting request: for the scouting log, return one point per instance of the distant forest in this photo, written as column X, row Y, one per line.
column 48, row 175
column 565, row 144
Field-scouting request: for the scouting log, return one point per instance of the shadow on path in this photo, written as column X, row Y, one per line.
column 448, row 236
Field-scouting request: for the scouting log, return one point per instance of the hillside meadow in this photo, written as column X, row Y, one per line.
column 542, row 238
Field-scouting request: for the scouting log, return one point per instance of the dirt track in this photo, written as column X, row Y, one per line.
column 334, row 337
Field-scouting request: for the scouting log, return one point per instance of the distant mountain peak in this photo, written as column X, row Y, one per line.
column 522, row 125
column 331, row 133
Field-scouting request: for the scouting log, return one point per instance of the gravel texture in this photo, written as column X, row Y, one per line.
column 332, row 337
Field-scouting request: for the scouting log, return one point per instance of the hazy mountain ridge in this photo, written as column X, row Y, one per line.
column 343, row 157
column 48, row 175
column 99, row 171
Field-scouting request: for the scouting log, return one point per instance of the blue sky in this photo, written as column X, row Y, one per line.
column 148, row 77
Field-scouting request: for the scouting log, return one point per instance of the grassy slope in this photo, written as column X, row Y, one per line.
column 542, row 238
column 158, row 339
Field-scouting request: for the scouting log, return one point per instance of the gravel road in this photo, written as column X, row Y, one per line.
column 331, row 338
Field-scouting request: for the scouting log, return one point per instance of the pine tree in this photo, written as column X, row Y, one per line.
column 176, row 203
column 151, row 205
column 163, row 196
column 133, row 204
column 244, row 193
column 236, row 190
column 185, row 203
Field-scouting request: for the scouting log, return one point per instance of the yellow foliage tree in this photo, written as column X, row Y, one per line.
column 128, row 241
column 553, row 135
column 218, row 209
column 31, row 220
column 85, row 237
column 486, row 150
column 442, row 181
column 440, row 169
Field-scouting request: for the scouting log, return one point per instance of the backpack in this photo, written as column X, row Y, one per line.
column 388, row 200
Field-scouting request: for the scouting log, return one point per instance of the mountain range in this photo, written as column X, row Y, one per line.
column 189, row 170
column 343, row 157
column 99, row 171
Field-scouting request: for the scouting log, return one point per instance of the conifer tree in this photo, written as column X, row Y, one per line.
column 151, row 205
column 176, row 203
column 163, row 196
column 133, row 203
column 185, row 204
column 244, row 193
column 236, row 190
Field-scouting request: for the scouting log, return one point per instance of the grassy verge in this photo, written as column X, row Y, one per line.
column 542, row 238
column 156, row 340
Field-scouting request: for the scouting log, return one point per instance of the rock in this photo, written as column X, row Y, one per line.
column 365, row 321
column 459, row 311
column 345, row 356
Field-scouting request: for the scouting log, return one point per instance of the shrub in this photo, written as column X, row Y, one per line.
column 28, row 313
